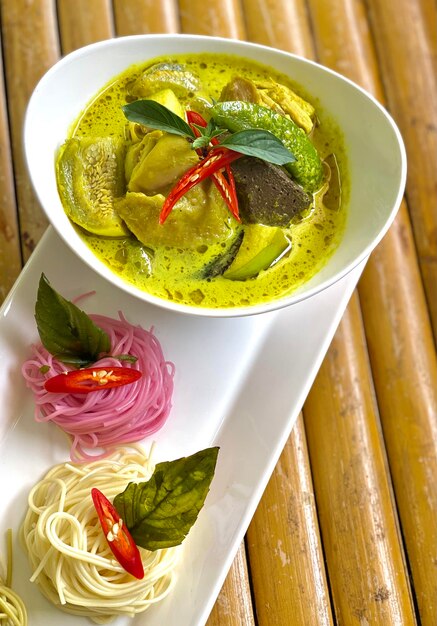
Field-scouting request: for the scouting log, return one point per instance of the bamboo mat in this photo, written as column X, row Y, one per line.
column 346, row 532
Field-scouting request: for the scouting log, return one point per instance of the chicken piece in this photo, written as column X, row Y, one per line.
column 275, row 95
column 160, row 165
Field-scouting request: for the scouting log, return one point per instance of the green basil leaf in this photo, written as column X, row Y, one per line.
column 155, row 115
column 203, row 130
column 160, row 512
column 65, row 330
column 259, row 143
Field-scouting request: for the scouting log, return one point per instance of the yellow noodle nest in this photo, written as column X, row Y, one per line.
column 68, row 552
column 12, row 609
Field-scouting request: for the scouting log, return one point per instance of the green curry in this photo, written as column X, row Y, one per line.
column 115, row 176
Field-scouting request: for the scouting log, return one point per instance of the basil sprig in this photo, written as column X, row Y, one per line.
column 252, row 142
column 65, row 330
column 155, row 115
column 160, row 512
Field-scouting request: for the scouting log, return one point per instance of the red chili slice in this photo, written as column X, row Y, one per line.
column 228, row 192
column 193, row 117
column 227, row 187
column 91, row 379
column 216, row 160
column 117, row 535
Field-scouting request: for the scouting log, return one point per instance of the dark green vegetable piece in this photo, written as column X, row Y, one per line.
column 264, row 247
column 65, row 330
column 266, row 193
column 220, row 264
column 307, row 170
column 159, row 513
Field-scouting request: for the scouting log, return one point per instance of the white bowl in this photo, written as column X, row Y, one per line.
column 375, row 151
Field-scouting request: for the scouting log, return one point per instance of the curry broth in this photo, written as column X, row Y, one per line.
column 170, row 273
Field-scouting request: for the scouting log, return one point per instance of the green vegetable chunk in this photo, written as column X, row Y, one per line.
column 262, row 246
column 65, row 330
column 159, row 513
column 307, row 170
column 90, row 174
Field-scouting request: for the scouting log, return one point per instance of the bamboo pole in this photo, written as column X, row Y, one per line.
column 412, row 97
column 284, row 542
column 428, row 12
column 283, row 25
column 221, row 18
column 83, row 22
column 234, row 603
column 405, row 374
column 24, row 22
column 139, row 17
column 10, row 252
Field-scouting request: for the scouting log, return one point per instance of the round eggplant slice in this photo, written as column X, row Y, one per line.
column 90, row 175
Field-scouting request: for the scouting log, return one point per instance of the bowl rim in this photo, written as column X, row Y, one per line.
column 255, row 309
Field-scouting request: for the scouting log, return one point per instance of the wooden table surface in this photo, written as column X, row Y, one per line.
column 346, row 532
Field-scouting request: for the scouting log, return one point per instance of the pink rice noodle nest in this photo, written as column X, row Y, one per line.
column 106, row 418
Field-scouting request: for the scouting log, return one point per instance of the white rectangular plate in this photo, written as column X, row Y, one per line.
column 239, row 384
